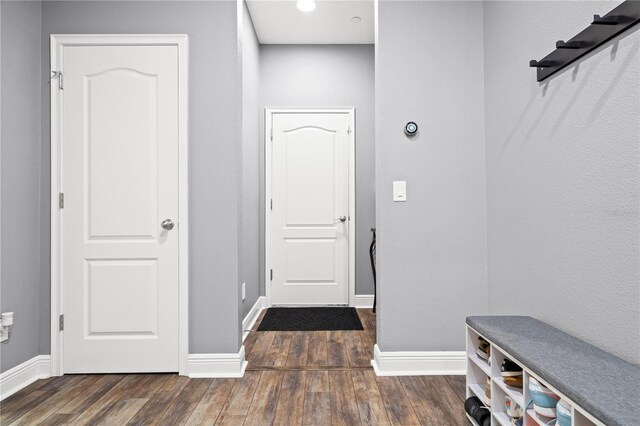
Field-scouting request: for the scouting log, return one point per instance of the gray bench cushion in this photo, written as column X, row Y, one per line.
column 604, row 385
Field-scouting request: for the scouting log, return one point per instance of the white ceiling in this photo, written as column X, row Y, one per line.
column 280, row 22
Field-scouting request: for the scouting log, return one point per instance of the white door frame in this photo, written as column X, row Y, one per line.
column 57, row 286
column 268, row 116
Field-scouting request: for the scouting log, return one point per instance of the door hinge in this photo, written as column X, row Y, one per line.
column 272, row 134
column 271, row 275
column 61, row 200
column 58, row 75
column 61, row 322
column 271, row 204
column 349, row 130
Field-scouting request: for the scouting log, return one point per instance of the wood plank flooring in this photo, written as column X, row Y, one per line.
column 312, row 350
column 293, row 378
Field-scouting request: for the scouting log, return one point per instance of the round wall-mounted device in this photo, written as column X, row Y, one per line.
column 410, row 129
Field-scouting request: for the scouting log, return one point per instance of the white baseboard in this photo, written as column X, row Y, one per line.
column 249, row 321
column 21, row 376
column 419, row 363
column 217, row 365
column 361, row 301
column 364, row 301
column 225, row 365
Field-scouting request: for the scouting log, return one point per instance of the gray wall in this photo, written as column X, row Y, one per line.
column 432, row 256
column 250, row 271
column 20, row 178
column 562, row 175
column 328, row 76
column 214, row 152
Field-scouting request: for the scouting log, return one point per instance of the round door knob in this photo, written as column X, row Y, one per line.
column 342, row 218
column 167, row 224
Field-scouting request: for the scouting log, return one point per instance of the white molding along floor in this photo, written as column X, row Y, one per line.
column 252, row 316
column 199, row 365
column 22, row 375
column 226, row 365
column 217, row 365
column 364, row 301
column 415, row 363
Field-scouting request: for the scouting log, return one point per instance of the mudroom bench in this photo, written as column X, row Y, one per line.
column 601, row 388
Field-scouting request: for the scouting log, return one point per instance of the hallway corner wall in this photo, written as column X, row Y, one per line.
column 563, row 168
column 20, row 157
column 252, row 145
column 432, row 254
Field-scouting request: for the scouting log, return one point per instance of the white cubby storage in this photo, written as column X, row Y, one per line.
column 478, row 371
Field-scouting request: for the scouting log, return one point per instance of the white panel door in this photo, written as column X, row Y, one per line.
column 119, row 174
column 310, row 211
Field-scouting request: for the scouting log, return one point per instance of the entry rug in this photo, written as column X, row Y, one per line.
column 310, row 319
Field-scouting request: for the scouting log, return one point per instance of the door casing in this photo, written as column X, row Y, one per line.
column 269, row 112
column 57, row 43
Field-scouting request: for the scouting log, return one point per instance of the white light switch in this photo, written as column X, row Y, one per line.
column 399, row 190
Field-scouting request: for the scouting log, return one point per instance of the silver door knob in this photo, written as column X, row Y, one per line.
column 342, row 218
column 167, row 224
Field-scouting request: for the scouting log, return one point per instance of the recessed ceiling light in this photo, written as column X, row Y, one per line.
column 356, row 19
column 306, row 5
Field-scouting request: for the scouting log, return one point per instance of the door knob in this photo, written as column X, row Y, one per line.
column 342, row 218
column 167, row 224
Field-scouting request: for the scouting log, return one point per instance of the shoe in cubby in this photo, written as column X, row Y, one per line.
column 544, row 400
column 512, row 409
column 510, row 369
column 484, row 349
column 477, row 411
column 563, row 409
column 487, row 393
column 514, row 382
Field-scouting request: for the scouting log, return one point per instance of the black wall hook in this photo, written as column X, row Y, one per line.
column 612, row 19
column 601, row 30
column 560, row 44
column 541, row 64
column 607, row 20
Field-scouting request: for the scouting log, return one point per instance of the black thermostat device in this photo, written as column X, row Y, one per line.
column 410, row 129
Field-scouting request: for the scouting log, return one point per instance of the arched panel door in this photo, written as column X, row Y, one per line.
column 119, row 226
column 310, row 210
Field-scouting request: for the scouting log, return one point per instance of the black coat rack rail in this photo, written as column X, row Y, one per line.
column 601, row 30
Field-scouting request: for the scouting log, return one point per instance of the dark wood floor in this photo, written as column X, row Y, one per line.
column 293, row 378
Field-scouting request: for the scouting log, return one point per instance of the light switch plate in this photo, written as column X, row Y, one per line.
column 399, row 190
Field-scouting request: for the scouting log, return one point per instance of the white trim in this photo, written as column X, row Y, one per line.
column 252, row 316
column 352, row 207
column 267, row 205
column 217, row 365
column 414, row 363
column 57, row 42
column 364, row 301
column 21, row 376
column 268, row 114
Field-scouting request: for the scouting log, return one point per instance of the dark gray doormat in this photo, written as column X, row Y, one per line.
column 310, row 319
